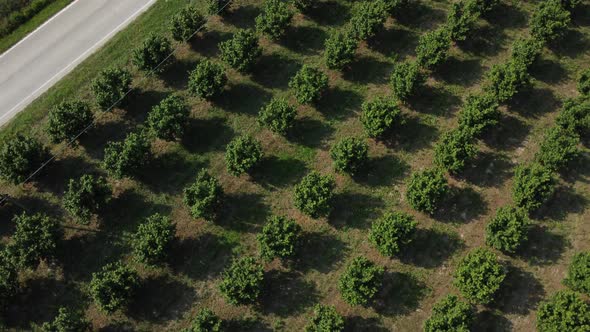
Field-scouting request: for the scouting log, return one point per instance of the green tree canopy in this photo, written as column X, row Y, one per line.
column 313, row 195
column 86, row 196
column 392, row 232
column 242, row 281
column 67, row 120
column 360, row 281
column 479, row 276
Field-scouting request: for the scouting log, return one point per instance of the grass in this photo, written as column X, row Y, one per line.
column 172, row 295
column 14, row 37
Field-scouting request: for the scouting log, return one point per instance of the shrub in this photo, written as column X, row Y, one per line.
column 480, row 112
column 279, row 238
column 450, row 315
column 126, row 158
column 549, row 21
column 578, row 273
column 313, row 195
column 367, row 18
column 584, row 82
column 217, row 7
column 558, row 148
column 242, row 281
column 277, row 115
column 392, row 233
column 461, row 19
column 426, row 190
column 186, row 23
column 455, row 149
column 110, row 86
column 479, row 276
column 207, row 80
column 508, row 230
column 67, row 120
column 339, row 49
column 241, row 51
column 152, row 53
column 274, row 19
column 325, row 319
column 564, row 311
column 360, row 281
column 350, row 155
column 67, row 321
column 507, row 79
column 242, row 154
column 205, row 321
column 309, row 83
column 36, row 237
column 152, row 241
column 8, row 279
column 86, row 196
column 203, row 197
column 433, row 48
column 575, row 116
column 533, row 185
column 20, row 156
column 113, row 287
column 406, row 79
column 526, row 50
column 303, row 5
column 168, row 119
column 379, row 116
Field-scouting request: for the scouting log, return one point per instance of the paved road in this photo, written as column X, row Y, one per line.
column 49, row 53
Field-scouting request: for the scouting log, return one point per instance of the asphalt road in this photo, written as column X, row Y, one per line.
column 42, row 58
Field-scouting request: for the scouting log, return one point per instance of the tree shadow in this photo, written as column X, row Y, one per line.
column 520, row 292
column 507, row 16
column 544, row 247
column 362, row 324
column 243, row 98
column 508, row 134
column 287, row 293
column 488, row 169
column 95, row 140
column 578, row 169
column 207, row 43
column 400, row 294
column 242, row 17
column 339, row 104
column 383, row 171
column 32, row 205
column 354, row 210
column 394, row 42
column 275, row 172
column 117, row 327
column 417, row 15
column 160, row 299
column 489, row 321
column 461, row 206
column 413, row 135
column 85, row 253
column 141, row 103
column 533, row 103
column 572, row 45
column 431, row 248
column 202, row 135
column 435, row 101
column 129, row 209
column 581, row 16
column 366, row 70
column 564, row 202
column 310, row 132
column 245, row 323
column 275, row 70
column 244, row 212
column 328, row 13
column 55, row 178
column 320, row 252
column 485, row 41
column 201, row 258
column 169, row 172
column 176, row 74
column 306, row 40
column 464, row 72
column 549, row 71
column 39, row 301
